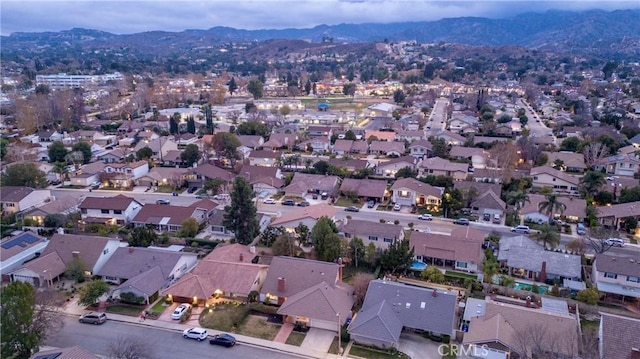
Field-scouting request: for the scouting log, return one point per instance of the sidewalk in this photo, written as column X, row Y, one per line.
column 72, row 308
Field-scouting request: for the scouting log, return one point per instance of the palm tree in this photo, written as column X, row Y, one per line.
column 552, row 206
column 60, row 169
column 592, row 181
column 489, row 267
column 548, row 236
column 517, row 199
column 307, row 163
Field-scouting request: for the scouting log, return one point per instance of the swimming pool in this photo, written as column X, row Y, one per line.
column 526, row 286
column 417, row 265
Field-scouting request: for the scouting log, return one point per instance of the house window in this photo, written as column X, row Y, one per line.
column 373, row 238
column 535, row 178
column 117, row 211
column 610, row 275
column 84, row 211
column 388, row 240
column 633, row 279
column 461, row 264
column 105, row 251
column 104, row 211
column 347, row 235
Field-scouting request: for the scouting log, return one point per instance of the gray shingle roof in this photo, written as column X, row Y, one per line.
column 299, row 275
column 619, row 336
column 127, row 262
column 378, row 321
column 565, row 265
column 619, row 264
column 322, row 301
column 362, row 229
column 416, row 307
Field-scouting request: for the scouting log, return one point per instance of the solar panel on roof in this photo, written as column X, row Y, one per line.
column 23, row 240
column 48, row 356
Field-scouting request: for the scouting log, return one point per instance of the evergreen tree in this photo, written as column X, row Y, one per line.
column 397, row 258
column 173, row 126
column 191, row 125
column 328, row 244
column 57, row 152
column 24, row 174
column 232, row 86
column 255, row 88
column 85, row 148
column 240, row 215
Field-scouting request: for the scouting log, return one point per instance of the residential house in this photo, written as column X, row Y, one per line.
column 560, row 182
column 618, row 336
column 619, row 165
column 61, row 250
column 143, row 271
column 391, row 307
column 615, row 215
column 73, row 352
column 617, row 274
column 386, row 148
column 472, row 189
column 411, row 192
column 174, row 159
column 575, row 209
column 197, row 176
column 253, row 142
column 168, row 218
column 63, row 205
column 388, row 136
column 476, row 157
column 48, row 136
column 540, row 265
column 124, row 175
column 460, row 121
column 436, row 166
column 420, row 149
column 20, row 249
column 319, row 131
column 118, row 210
column 345, row 147
column 409, row 135
column 509, row 328
column 570, row 161
column 305, row 215
column 163, row 176
column 278, row 141
column 315, row 145
column 451, row 138
column 87, row 174
column 303, row 183
column 115, row 156
column 389, row 169
column 309, row 292
column 365, row 189
column 264, row 158
column 264, row 180
column 490, row 204
column 380, row 234
column 382, row 109
column 462, row 251
column 15, row 199
column 228, row 271
column 160, row 147
column 350, row 165
column 185, row 139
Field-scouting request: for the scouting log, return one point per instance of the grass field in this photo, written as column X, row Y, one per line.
column 363, row 352
column 295, row 338
column 257, row 326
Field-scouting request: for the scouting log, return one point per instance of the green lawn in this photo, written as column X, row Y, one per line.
column 346, row 202
column 295, row 338
column 166, row 189
column 370, row 353
column 460, row 275
column 333, row 349
column 159, row 307
column 124, row 309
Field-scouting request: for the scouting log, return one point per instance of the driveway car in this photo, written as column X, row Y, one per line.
column 95, row 185
column 615, row 242
column 180, row 310
column 581, row 229
column 195, row 333
column 224, row 340
column 163, row 201
column 269, row 201
column 425, row 217
column 93, row 318
column 462, row 221
column 371, row 204
column 352, row 209
column 222, row 196
column 192, row 189
column 202, row 196
column 397, row 207
column 521, row 229
column 303, row 204
column 288, row 202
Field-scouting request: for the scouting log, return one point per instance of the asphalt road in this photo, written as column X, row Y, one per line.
column 535, row 125
column 164, row 343
column 438, row 117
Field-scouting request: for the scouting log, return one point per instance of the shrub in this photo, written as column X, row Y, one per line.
column 130, row 297
column 396, row 222
column 589, row 296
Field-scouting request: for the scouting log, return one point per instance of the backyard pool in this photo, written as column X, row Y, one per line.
column 527, row 286
column 417, row 265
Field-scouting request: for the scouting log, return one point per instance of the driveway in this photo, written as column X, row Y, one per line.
column 319, row 339
column 418, row 347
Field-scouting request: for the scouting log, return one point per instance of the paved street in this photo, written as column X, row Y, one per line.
column 166, row 343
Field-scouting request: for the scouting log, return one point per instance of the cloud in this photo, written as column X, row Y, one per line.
column 121, row 17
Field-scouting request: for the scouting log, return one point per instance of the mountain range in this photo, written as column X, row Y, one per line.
column 613, row 35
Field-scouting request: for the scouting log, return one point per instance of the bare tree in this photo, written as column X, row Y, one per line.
column 593, row 152
column 597, row 239
column 130, row 347
column 360, row 283
column 47, row 318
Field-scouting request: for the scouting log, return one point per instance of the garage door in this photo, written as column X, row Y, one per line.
column 26, row 279
column 488, row 353
column 323, row 324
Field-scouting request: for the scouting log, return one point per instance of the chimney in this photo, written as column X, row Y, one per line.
column 252, row 249
column 282, row 284
column 241, row 257
column 435, row 293
column 340, row 269
column 75, row 254
column 543, row 272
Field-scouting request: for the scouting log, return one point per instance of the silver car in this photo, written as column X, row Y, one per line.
column 196, row 333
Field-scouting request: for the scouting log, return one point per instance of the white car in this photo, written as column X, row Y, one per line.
column 397, row 207
column 195, row 333
column 269, row 201
column 425, row 217
column 521, row 229
column 180, row 310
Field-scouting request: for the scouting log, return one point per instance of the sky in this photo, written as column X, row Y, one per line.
column 126, row 17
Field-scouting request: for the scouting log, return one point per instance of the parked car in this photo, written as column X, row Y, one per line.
column 303, row 204
column 397, row 207
column 486, row 217
column 95, row 185
column 425, row 217
column 521, row 229
column 93, row 318
column 163, row 201
column 615, row 242
column 496, row 218
column 224, row 340
column 462, row 221
column 324, row 195
column 371, row 204
column 192, row 189
column 202, row 196
column 352, row 209
column 175, row 194
column 180, row 310
column 269, row 201
column 222, row 196
column 195, row 333
column 581, row 229
column 288, row 202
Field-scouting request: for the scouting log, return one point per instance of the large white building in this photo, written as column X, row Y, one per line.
column 62, row 80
